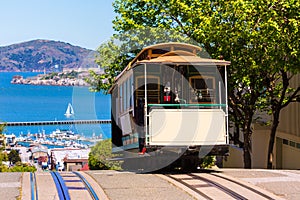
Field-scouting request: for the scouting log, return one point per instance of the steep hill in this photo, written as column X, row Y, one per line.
column 44, row 54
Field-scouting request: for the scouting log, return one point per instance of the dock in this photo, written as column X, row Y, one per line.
column 62, row 122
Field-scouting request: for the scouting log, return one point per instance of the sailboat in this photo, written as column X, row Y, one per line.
column 69, row 111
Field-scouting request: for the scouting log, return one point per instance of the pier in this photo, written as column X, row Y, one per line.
column 62, row 122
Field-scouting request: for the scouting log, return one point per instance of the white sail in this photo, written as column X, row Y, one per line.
column 69, row 111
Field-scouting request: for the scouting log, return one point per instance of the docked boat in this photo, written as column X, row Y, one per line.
column 64, row 134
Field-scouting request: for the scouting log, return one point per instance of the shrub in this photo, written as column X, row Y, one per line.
column 99, row 155
column 208, row 162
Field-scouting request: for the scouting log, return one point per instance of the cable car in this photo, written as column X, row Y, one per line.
column 169, row 108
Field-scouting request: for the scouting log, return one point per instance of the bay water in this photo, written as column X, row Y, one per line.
column 22, row 103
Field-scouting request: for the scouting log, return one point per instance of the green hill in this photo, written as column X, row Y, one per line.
column 37, row 55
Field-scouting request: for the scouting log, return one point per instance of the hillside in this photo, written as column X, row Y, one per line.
column 37, row 55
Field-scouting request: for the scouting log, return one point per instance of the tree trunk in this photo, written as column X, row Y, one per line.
column 247, row 143
column 272, row 138
column 236, row 133
column 247, row 153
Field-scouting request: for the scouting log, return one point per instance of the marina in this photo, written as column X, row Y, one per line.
column 56, row 139
column 60, row 150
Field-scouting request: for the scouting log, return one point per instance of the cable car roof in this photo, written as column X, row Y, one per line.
column 172, row 53
column 183, row 58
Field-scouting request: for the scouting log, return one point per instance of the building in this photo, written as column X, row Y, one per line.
column 287, row 141
column 69, row 159
column 40, row 155
column 75, row 164
column 10, row 140
column 39, row 151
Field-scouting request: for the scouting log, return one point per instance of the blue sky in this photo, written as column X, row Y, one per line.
column 85, row 23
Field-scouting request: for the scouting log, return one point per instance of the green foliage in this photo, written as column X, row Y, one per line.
column 110, row 58
column 3, row 157
column 99, row 155
column 19, row 167
column 260, row 38
column 117, row 53
column 14, row 157
column 4, row 168
column 208, row 162
column 71, row 75
column 2, row 144
column 50, row 76
column 2, row 127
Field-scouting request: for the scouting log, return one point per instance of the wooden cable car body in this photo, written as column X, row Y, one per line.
column 168, row 103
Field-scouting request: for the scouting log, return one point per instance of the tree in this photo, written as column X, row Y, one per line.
column 2, row 138
column 244, row 32
column 2, row 127
column 280, row 96
column 209, row 24
column 116, row 54
column 286, row 60
column 3, row 157
column 14, row 157
column 113, row 60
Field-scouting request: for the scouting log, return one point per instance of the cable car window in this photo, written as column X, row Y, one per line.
column 153, row 88
column 198, row 83
column 203, row 89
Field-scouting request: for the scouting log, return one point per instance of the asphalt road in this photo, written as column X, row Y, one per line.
column 285, row 184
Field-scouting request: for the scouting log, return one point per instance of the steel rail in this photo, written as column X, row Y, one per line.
column 34, row 191
column 220, row 187
column 245, row 186
column 61, row 187
column 190, row 187
column 88, row 186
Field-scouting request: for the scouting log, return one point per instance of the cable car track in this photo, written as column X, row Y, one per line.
column 34, row 191
column 245, row 186
column 210, row 186
column 67, row 184
column 90, row 188
column 61, row 187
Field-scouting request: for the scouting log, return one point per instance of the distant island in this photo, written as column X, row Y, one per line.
column 69, row 78
column 45, row 55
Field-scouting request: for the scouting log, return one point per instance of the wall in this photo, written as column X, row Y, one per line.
column 235, row 158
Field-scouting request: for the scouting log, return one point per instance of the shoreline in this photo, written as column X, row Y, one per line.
column 54, row 79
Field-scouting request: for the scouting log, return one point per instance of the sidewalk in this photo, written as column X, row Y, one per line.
column 283, row 183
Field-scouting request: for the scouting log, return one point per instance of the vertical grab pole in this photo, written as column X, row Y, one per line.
column 220, row 95
column 132, row 94
column 226, row 102
column 145, row 107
